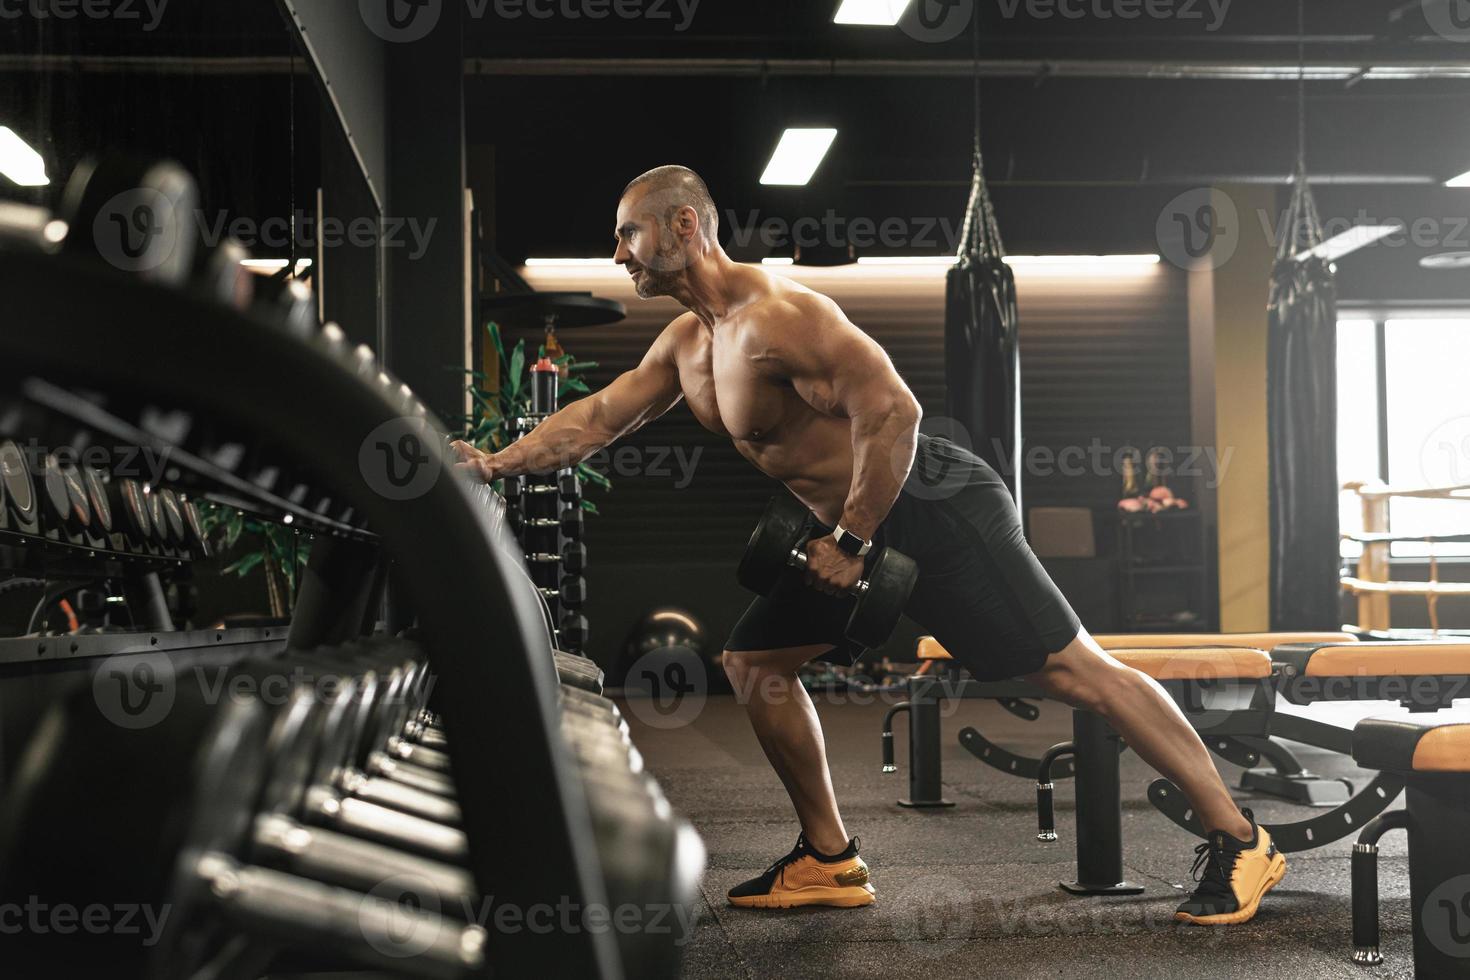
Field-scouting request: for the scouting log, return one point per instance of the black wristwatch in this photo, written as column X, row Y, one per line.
column 851, row 543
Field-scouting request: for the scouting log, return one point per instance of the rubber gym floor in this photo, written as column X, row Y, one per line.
column 968, row 891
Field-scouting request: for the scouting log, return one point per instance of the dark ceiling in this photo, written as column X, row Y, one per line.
column 1091, row 123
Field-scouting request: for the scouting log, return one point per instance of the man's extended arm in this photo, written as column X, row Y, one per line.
column 568, row 437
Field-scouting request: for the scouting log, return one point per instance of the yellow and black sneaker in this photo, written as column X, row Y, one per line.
column 806, row 877
column 1233, row 876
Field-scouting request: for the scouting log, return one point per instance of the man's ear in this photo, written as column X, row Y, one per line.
column 686, row 224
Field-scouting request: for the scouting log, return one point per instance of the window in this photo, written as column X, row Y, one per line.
column 1403, row 418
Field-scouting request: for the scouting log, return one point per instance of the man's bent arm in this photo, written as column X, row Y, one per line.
column 571, row 435
column 841, row 371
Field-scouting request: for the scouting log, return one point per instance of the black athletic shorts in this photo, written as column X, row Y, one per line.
column 981, row 591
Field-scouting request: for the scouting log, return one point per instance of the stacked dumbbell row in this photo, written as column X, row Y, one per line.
column 547, row 517
column 53, row 499
column 175, row 256
column 320, row 824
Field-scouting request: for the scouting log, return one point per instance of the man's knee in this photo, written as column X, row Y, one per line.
column 1089, row 683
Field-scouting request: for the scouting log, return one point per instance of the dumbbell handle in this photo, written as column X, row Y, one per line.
column 798, row 560
column 351, row 862
column 299, row 911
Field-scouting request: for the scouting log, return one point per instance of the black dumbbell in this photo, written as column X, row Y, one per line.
column 778, row 543
column 572, row 591
column 573, row 632
column 572, row 522
column 135, row 214
column 574, row 558
column 569, row 485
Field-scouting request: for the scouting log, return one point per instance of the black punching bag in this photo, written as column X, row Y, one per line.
column 982, row 355
column 1301, row 377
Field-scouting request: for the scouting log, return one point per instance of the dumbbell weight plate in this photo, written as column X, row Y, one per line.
column 157, row 523
column 126, row 498
column 197, row 537
column 173, row 516
column 578, row 671
column 781, row 529
column 97, row 498
column 878, row 610
column 20, row 493
column 574, row 558
column 76, row 495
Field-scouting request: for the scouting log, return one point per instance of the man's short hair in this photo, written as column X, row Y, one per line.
column 686, row 188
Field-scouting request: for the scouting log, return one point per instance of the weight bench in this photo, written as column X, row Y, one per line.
column 928, row 690
column 1432, row 757
column 1323, row 691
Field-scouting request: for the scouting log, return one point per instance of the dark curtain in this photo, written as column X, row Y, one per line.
column 1302, row 419
column 982, row 370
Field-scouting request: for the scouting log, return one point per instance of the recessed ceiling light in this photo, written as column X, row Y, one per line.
column 1348, row 242
column 1461, row 181
column 19, row 162
column 872, row 13
column 1446, row 260
column 797, row 156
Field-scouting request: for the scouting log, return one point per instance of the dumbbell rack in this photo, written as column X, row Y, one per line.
column 539, row 803
column 549, row 522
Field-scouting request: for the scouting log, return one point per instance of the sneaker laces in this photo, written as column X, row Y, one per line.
column 1213, row 866
column 801, row 849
